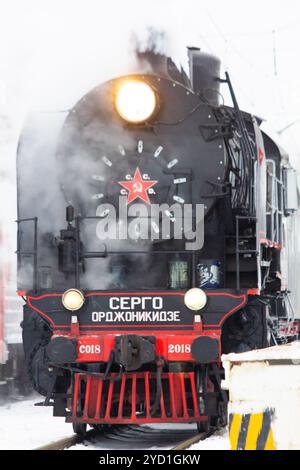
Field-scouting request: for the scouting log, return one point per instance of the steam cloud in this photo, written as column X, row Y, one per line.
column 48, row 168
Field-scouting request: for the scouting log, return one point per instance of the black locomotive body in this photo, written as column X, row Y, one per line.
column 120, row 330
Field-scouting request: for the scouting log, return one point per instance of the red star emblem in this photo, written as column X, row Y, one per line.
column 137, row 187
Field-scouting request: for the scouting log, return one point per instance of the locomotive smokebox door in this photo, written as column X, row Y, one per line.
column 132, row 351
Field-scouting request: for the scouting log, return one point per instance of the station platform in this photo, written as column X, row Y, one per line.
column 264, row 398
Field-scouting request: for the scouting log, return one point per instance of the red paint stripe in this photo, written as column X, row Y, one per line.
column 194, row 394
column 209, row 294
column 109, row 399
column 172, row 395
column 114, row 332
column 133, row 398
column 228, row 313
column 90, row 294
column 162, row 404
column 121, row 399
column 99, row 398
column 43, row 313
column 161, row 325
column 147, row 394
column 253, row 291
column 87, row 396
column 135, row 293
column 183, row 393
column 75, row 399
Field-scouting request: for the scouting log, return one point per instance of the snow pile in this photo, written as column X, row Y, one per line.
column 268, row 380
column 289, row 351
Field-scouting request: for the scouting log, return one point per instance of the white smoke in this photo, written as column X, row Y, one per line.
column 53, row 51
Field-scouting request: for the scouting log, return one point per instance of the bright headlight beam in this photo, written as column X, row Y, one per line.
column 135, row 101
column 73, row 299
column 195, row 299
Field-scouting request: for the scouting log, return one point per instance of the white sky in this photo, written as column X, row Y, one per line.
column 58, row 45
column 53, row 51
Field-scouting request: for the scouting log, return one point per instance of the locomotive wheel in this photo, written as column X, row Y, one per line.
column 203, row 426
column 80, row 428
column 201, row 382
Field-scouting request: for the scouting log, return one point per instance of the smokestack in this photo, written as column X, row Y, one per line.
column 204, row 74
column 162, row 65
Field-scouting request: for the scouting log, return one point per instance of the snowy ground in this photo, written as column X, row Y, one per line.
column 25, row 426
column 219, row 441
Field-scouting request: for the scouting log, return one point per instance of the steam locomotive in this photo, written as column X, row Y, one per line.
column 130, row 328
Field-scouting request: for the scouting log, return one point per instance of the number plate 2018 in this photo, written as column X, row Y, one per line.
column 179, row 348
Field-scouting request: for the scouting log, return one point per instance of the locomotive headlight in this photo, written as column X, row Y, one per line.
column 195, row 299
column 135, row 101
column 73, row 299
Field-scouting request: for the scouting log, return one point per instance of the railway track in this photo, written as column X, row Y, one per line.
column 143, row 437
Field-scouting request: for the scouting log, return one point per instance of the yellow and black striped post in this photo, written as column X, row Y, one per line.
column 252, row 431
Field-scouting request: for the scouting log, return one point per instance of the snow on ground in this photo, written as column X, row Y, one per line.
column 141, row 442
column 25, row 426
column 219, row 441
column 109, row 444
